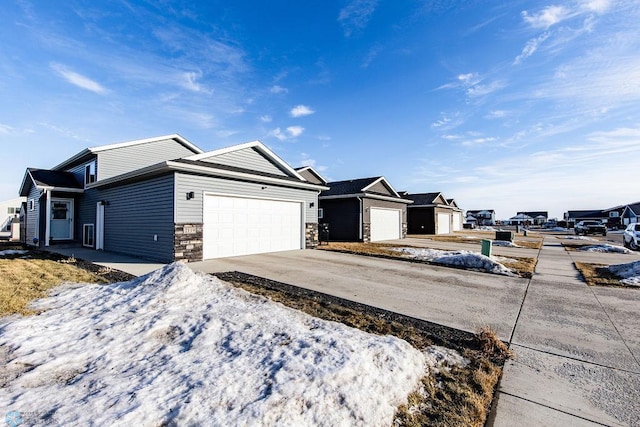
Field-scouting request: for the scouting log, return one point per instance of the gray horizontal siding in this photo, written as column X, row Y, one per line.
column 117, row 161
column 135, row 213
column 190, row 211
column 86, row 210
column 248, row 158
column 32, row 215
column 380, row 188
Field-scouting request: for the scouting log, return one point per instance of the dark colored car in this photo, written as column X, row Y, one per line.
column 631, row 236
column 590, row 227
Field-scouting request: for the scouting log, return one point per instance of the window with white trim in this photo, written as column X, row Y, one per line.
column 320, row 213
column 32, row 204
column 90, row 173
column 614, row 214
column 88, row 231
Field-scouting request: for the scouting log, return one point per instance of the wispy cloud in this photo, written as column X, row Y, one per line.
column 77, row 79
column 447, row 122
column 485, row 89
column 301, row 111
column 530, row 48
column 356, row 15
column 266, row 118
column 547, row 17
column 295, row 131
column 278, row 89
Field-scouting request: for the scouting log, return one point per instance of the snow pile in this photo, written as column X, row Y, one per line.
column 558, row 229
column 484, row 228
column 178, row 347
column 12, row 252
column 630, row 273
column 578, row 238
column 465, row 259
column 505, row 243
column 605, row 248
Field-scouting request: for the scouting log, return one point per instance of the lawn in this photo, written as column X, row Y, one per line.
column 476, row 237
column 460, row 394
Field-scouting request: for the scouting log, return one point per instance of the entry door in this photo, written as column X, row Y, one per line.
column 61, row 219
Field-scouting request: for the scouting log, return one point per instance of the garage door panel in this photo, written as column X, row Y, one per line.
column 385, row 224
column 241, row 226
column 444, row 221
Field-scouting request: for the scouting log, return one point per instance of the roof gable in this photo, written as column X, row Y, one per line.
column 311, row 175
column 374, row 185
column 49, row 180
column 422, row 199
column 250, row 156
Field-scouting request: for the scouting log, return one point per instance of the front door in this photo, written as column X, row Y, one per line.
column 61, row 219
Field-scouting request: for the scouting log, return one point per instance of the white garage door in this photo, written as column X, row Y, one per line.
column 385, row 224
column 457, row 221
column 443, row 223
column 240, row 226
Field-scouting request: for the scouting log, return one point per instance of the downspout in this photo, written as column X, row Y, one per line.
column 361, row 218
column 47, row 221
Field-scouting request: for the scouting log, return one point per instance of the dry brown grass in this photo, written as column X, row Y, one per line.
column 597, row 275
column 525, row 267
column 476, row 238
column 454, row 396
column 23, row 280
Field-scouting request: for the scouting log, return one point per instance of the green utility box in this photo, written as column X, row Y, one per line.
column 504, row 235
column 486, row 247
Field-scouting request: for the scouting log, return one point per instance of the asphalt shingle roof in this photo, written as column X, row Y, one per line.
column 421, row 198
column 351, row 186
column 49, row 178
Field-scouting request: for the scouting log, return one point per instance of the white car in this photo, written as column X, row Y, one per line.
column 631, row 236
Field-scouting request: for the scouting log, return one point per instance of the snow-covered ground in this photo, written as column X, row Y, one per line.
column 578, row 238
column 466, row 259
column 182, row 347
column 12, row 252
column 505, row 243
column 605, row 248
column 629, row 272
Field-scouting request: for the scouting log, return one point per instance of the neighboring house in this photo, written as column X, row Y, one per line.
column 631, row 213
column 165, row 199
column 572, row 217
column 520, row 219
column 311, row 175
column 432, row 213
column 537, row 217
column 483, row 217
column 366, row 210
column 9, row 215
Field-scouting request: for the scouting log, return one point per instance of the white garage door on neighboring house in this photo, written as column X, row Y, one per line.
column 457, row 221
column 385, row 224
column 444, row 220
column 236, row 226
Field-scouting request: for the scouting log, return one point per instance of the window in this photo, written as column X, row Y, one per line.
column 614, row 214
column 32, row 205
column 90, row 173
column 87, row 235
column 320, row 213
column 11, row 211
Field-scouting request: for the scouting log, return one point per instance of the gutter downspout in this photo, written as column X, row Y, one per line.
column 47, row 222
column 361, row 218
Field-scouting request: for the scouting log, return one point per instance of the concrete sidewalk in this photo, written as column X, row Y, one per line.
column 577, row 352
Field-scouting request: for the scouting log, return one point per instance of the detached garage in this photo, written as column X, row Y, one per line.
column 367, row 210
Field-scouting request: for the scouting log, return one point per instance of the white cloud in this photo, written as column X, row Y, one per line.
column 301, row 111
column 598, row 6
column 530, row 48
column 469, row 79
column 482, row 90
column 266, row 118
column 295, row 131
column 497, row 114
column 371, row 55
column 278, row 89
column 277, row 133
column 547, row 17
column 77, row 79
column 5, row 129
column 189, row 81
column 356, row 15
column 447, row 122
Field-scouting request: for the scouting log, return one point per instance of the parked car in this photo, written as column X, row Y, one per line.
column 590, row 227
column 631, row 236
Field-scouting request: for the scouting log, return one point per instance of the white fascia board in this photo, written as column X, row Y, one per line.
column 64, row 189
column 381, row 179
column 367, row 196
column 313, row 172
column 27, row 175
column 251, row 144
column 173, row 136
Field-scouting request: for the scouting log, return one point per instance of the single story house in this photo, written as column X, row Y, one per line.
column 483, row 217
column 537, row 217
column 520, row 219
column 432, row 213
column 164, row 199
column 366, row 210
column 631, row 213
column 573, row 217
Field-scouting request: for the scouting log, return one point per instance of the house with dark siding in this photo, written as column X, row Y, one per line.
column 432, row 213
column 164, row 199
column 365, row 209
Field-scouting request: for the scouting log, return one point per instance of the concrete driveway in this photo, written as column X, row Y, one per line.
column 456, row 298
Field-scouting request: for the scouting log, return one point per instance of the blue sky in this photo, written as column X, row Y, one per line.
column 519, row 105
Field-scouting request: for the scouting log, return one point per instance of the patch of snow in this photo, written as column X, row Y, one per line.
column 559, row 229
column 578, row 238
column 629, row 272
column 505, row 243
column 484, row 228
column 178, row 347
column 12, row 252
column 466, row 259
column 605, row 248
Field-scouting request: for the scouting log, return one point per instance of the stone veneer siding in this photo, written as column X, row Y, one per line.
column 187, row 242
column 311, row 235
